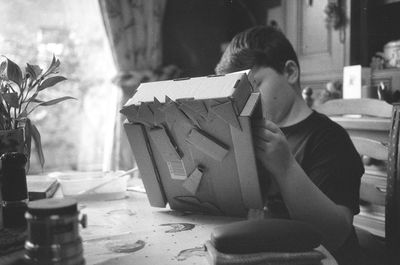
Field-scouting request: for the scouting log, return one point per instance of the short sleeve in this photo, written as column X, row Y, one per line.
column 335, row 166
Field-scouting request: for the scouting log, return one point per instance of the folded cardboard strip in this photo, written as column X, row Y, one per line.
column 192, row 142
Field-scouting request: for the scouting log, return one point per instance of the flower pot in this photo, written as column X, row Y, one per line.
column 12, row 141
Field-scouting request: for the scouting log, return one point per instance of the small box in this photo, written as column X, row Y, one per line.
column 192, row 141
column 357, row 82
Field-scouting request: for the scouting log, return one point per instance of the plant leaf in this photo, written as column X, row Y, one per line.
column 51, row 81
column 33, row 70
column 51, row 102
column 11, row 99
column 14, row 73
column 54, row 101
column 33, row 100
column 38, row 143
column 53, row 68
column 28, row 142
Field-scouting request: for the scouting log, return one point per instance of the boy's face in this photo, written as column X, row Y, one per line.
column 277, row 94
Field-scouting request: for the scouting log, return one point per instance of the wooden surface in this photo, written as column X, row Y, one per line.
column 129, row 231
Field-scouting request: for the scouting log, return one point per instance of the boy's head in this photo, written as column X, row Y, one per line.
column 260, row 46
column 274, row 69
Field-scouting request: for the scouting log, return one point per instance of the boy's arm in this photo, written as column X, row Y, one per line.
column 304, row 200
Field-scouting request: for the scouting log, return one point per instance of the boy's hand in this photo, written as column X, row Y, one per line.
column 272, row 148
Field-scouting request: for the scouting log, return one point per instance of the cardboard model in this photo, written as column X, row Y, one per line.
column 192, row 142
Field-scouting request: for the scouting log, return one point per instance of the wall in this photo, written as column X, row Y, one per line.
column 195, row 29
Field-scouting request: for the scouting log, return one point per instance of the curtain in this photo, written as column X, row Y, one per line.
column 133, row 28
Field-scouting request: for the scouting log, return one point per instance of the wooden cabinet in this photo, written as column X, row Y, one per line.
column 320, row 48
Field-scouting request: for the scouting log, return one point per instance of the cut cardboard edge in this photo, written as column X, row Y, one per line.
column 251, row 104
column 246, row 164
column 245, row 156
column 147, row 167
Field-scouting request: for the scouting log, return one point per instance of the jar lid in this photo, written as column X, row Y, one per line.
column 47, row 207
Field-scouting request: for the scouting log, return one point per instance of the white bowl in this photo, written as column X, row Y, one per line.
column 93, row 185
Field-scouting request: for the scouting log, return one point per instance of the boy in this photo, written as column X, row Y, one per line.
column 312, row 164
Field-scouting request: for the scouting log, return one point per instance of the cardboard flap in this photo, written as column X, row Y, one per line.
column 145, row 115
column 169, row 153
column 197, row 106
column 130, row 112
column 207, row 145
column 192, row 183
column 174, row 114
column 164, row 144
column 251, row 104
column 146, row 164
column 246, row 164
column 159, row 114
column 226, row 112
column 193, row 116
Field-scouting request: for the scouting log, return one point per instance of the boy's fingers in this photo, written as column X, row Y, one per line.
column 263, row 134
column 266, row 124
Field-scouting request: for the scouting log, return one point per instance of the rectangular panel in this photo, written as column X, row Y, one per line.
column 246, row 164
column 146, row 165
column 207, row 145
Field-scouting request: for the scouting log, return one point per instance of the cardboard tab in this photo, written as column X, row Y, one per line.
column 207, row 145
column 130, row 112
column 193, row 181
column 159, row 114
column 145, row 115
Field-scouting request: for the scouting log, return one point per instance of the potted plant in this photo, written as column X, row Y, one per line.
column 19, row 97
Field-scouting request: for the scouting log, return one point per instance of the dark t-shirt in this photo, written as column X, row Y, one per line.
column 327, row 155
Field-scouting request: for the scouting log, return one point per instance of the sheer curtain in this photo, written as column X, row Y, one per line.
column 133, row 28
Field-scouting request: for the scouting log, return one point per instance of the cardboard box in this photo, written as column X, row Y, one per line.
column 192, row 142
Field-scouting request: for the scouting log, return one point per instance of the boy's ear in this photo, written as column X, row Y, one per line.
column 292, row 72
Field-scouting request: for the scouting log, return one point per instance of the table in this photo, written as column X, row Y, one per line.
column 130, row 231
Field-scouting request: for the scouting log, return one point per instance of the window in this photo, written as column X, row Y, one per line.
column 76, row 134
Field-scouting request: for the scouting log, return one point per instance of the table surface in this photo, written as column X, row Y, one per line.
column 130, row 230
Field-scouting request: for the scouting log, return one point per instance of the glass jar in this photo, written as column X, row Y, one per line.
column 53, row 233
column 14, row 189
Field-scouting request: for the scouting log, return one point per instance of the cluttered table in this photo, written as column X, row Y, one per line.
column 129, row 231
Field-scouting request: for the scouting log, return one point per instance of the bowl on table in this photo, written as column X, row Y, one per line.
column 94, row 185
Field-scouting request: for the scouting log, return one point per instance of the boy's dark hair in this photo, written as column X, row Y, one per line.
column 257, row 46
